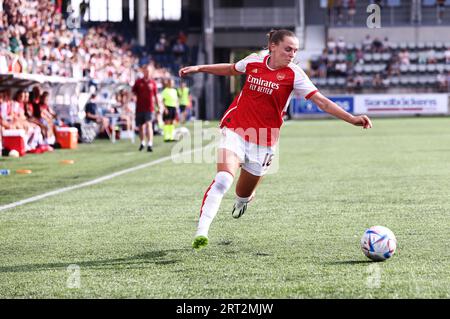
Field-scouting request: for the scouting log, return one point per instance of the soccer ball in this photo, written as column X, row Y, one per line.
column 180, row 133
column 13, row 153
column 378, row 243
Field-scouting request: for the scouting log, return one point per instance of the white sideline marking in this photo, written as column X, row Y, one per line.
column 98, row 180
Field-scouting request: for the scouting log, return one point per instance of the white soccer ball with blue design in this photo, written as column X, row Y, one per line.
column 378, row 243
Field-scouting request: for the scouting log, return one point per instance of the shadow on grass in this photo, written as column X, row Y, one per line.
column 349, row 262
column 157, row 257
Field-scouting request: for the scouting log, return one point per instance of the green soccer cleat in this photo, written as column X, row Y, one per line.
column 238, row 209
column 200, row 242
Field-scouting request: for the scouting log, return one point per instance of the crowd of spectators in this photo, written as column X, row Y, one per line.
column 375, row 62
column 343, row 12
column 32, row 114
column 35, row 38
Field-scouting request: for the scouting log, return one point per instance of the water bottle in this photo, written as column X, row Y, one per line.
column 4, row 171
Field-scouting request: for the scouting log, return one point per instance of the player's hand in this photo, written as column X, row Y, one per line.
column 188, row 70
column 362, row 120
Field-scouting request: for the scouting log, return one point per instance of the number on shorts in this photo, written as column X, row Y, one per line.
column 268, row 160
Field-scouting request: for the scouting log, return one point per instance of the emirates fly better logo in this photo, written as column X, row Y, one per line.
column 263, row 86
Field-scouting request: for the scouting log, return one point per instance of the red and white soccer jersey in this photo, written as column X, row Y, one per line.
column 257, row 112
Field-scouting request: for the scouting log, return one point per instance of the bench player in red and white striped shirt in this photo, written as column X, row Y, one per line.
column 250, row 126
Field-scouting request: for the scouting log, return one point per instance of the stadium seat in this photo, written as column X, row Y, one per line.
column 439, row 45
column 350, row 47
column 386, row 56
column 358, row 68
column 413, row 80
column 413, row 68
column 422, row 68
column 422, row 80
column 341, row 57
column 331, row 81
column 395, row 81
column 440, row 56
column 341, row 81
column 403, row 68
column 321, row 81
column 402, row 45
column 429, row 45
column 394, row 46
column 431, row 79
column 412, row 46
column 368, row 57
column 368, row 68
column 404, row 81
column 413, row 56
column 447, row 67
column 440, row 67
column 368, row 82
column 431, row 68
column 378, row 68
column 376, row 57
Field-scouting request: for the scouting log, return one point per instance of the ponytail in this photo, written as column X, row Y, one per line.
column 276, row 36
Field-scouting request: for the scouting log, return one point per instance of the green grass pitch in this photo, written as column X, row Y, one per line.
column 130, row 237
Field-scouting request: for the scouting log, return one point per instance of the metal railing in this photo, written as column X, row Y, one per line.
column 254, row 17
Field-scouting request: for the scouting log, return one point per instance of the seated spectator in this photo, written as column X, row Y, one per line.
column 314, row 68
column 431, row 56
column 367, row 43
column 380, row 3
column 341, row 68
column 341, row 45
column 331, row 45
column 386, row 44
column 422, row 57
column 5, row 111
column 178, row 51
column 359, row 56
column 447, row 55
column 359, row 83
column 125, row 110
column 351, row 11
column 377, row 82
column 338, row 11
column 393, row 67
column 182, row 37
column 35, row 137
column 440, row 7
column 442, row 82
column 377, row 46
column 94, row 115
column 12, row 116
column 350, row 84
column 350, row 58
column 47, row 117
column 404, row 57
column 161, row 45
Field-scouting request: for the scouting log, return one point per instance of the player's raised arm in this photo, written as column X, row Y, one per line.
column 332, row 108
column 216, row 69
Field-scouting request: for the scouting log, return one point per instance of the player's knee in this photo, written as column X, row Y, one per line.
column 223, row 181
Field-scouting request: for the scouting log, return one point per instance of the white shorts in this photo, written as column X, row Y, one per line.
column 255, row 159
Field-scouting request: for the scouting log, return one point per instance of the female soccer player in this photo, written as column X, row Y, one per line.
column 250, row 126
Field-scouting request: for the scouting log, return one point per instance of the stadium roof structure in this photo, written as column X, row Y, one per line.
column 21, row 80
